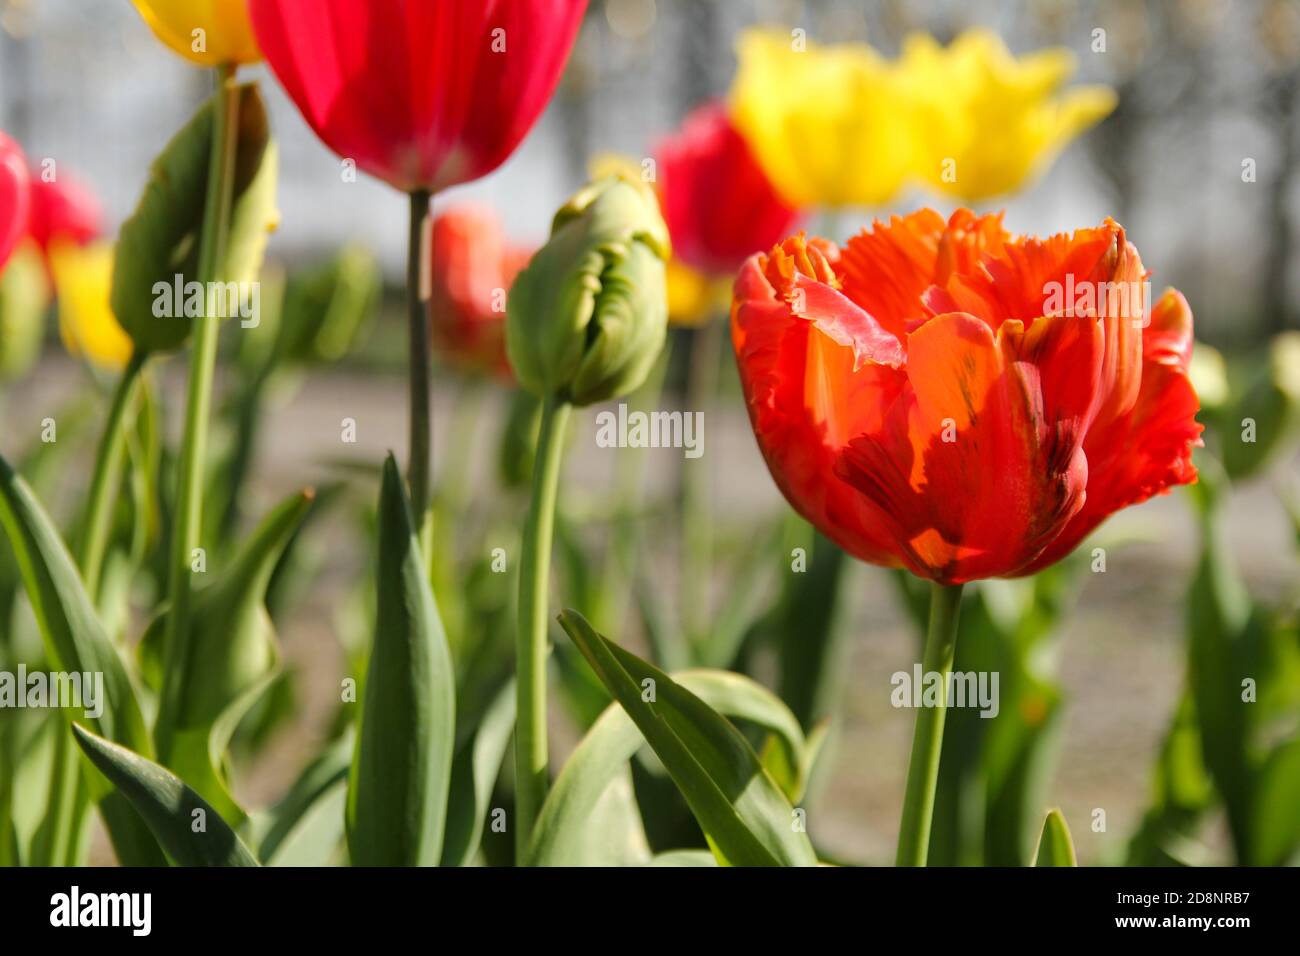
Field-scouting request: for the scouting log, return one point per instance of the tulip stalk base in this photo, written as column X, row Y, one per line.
column 530, row 649
column 927, row 740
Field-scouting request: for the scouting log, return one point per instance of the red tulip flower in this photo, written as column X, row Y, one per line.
column 473, row 268
column 959, row 401
column 63, row 209
column 719, row 204
column 15, row 197
column 423, row 95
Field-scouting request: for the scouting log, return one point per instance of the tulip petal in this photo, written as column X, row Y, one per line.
column 979, row 462
column 1168, row 338
column 1148, row 450
column 805, row 401
column 886, row 269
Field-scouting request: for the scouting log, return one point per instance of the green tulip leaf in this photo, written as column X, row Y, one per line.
column 160, row 240
column 563, row 837
column 1275, row 824
column 401, row 771
column 74, row 637
column 473, row 773
column 744, row 814
column 187, row 827
column 305, row 828
column 231, row 658
column 75, row 641
column 1055, row 848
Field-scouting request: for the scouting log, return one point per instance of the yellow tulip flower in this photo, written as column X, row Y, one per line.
column 83, row 276
column 989, row 121
column 206, row 32
column 840, row 126
column 829, row 125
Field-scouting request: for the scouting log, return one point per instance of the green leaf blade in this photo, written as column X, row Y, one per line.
column 1055, row 848
column 743, row 812
column 401, row 771
column 186, row 825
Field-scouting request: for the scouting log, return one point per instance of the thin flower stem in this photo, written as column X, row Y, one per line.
column 927, row 741
column 188, row 522
column 530, row 647
column 421, row 419
column 98, row 521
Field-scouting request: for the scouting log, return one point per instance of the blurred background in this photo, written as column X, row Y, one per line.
column 1203, row 84
column 1200, row 162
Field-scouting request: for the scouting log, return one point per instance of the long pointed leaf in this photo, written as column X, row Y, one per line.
column 74, row 637
column 1055, row 848
column 473, row 773
column 401, row 772
column 232, row 656
column 75, row 641
column 185, row 824
column 562, row 837
column 747, row 819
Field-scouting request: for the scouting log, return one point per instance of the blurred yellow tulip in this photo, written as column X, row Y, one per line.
column 694, row 299
column 83, row 277
column 206, row 32
column 990, row 121
column 840, row 126
column 829, row 125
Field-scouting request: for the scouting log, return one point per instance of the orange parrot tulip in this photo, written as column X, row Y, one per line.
column 959, row 401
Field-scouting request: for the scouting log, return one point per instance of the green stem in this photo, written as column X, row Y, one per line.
column 98, row 521
column 530, row 646
column 421, row 418
column 927, row 741
column 697, row 497
column 188, row 524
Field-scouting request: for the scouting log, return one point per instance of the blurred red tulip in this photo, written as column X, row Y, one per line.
column 423, row 95
column 944, row 397
column 63, row 208
column 473, row 268
column 719, row 204
column 15, row 197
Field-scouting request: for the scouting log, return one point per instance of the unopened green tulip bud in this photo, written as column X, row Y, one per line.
column 1264, row 423
column 588, row 316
